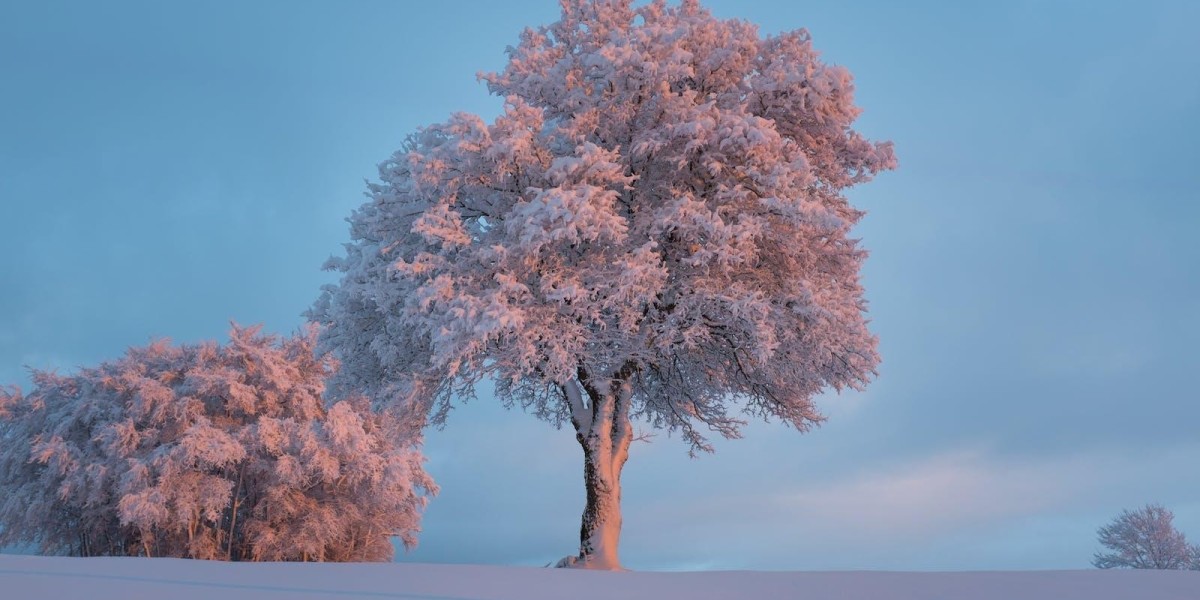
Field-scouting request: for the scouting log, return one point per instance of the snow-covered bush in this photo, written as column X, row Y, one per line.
column 1145, row 538
column 207, row 451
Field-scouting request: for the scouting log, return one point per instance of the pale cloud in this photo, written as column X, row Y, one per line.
column 963, row 488
column 968, row 506
column 933, row 496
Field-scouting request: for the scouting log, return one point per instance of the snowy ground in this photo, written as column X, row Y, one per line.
column 24, row 577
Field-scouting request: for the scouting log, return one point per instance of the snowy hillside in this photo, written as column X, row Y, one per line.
column 24, row 577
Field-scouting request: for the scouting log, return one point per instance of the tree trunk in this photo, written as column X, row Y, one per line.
column 604, row 435
column 237, row 493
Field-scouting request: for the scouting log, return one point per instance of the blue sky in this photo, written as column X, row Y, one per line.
column 168, row 167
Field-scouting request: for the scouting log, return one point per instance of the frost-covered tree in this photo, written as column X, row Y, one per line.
column 206, row 451
column 1145, row 538
column 655, row 228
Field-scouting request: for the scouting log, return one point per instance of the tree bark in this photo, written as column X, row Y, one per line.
column 604, row 435
column 237, row 493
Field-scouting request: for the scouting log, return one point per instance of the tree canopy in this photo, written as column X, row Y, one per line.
column 206, row 451
column 1145, row 538
column 663, row 193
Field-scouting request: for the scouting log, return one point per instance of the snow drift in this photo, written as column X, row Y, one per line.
column 24, row 577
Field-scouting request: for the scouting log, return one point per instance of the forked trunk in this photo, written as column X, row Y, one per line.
column 605, row 435
column 600, row 532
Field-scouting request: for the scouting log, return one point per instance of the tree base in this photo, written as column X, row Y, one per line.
column 576, row 562
column 567, row 562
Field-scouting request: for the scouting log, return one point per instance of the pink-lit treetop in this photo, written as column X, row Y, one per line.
column 654, row 228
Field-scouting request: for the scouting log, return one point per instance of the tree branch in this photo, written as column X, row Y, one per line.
column 581, row 417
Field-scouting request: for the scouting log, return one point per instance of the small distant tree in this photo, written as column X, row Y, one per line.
column 206, row 451
column 1145, row 538
column 656, row 227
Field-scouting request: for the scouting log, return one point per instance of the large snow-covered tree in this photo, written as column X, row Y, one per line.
column 655, row 228
column 206, row 451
